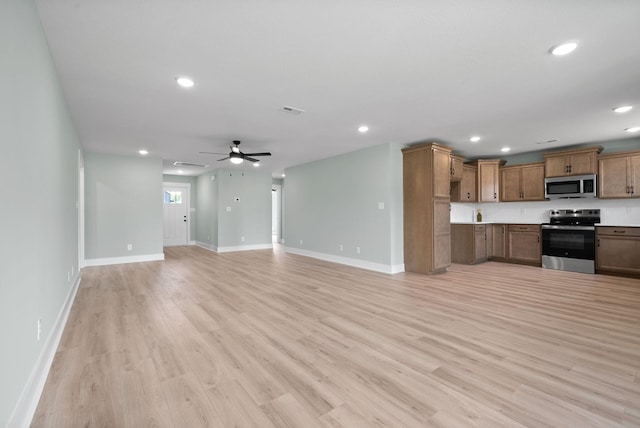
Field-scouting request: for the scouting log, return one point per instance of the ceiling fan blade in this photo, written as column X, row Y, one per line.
column 223, row 159
column 251, row 159
column 212, row 153
column 258, row 154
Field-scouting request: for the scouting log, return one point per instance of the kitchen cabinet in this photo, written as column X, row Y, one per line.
column 522, row 182
column 465, row 189
column 455, row 164
column 488, row 179
column 427, row 231
column 572, row 162
column 619, row 175
column 469, row 243
column 523, row 243
column 497, row 248
column 618, row 250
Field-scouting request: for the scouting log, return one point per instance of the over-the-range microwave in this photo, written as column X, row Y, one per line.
column 577, row 186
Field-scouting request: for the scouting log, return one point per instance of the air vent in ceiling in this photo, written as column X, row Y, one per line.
column 547, row 142
column 292, row 110
column 190, row 164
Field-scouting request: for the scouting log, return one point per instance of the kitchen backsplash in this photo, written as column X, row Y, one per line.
column 613, row 211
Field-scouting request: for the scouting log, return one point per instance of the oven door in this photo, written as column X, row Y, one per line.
column 577, row 242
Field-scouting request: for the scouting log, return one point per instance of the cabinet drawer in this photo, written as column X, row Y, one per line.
column 524, row 228
column 480, row 227
column 618, row 231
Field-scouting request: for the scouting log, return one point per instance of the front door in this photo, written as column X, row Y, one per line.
column 176, row 215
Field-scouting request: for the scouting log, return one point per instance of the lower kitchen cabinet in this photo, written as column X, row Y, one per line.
column 523, row 243
column 469, row 243
column 497, row 246
column 618, row 250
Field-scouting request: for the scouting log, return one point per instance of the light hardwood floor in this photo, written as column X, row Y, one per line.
column 267, row 339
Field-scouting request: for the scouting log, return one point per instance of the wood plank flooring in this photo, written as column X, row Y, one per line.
column 268, row 339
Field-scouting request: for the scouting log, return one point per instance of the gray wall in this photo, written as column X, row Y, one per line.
column 39, row 168
column 250, row 217
column 207, row 203
column 192, row 198
column 334, row 202
column 123, row 206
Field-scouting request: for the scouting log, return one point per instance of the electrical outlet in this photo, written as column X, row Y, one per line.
column 129, row 247
column 73, row 271
column 380, row 205
column 39, row 329
column 242, row 239
column 68, row 276
column 358, row 250
column 301, row 242
column 341, row 247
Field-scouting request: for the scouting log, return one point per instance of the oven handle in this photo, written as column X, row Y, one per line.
column 563, row 227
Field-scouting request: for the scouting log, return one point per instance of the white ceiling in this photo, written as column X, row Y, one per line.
column 411, row 70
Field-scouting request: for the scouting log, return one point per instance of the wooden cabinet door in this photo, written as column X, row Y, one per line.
column 619, row 254
column 556, row 166
column 524, row 244
column 634, row 176
column 441, row 182
column 498, row 241
column 532, row 182
column 456, row 165
column 511, row 189
column 612, row 182
column 469, row 184
column 442, row 234
column 480, row 243
column 582, row 163
column 488, row 182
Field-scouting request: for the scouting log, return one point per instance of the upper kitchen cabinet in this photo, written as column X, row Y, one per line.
column 522, row 182
column 488, row 179
column 427, row 243
column 465, row 189
column 572, row 162
column 455, row 170
column 619, row 175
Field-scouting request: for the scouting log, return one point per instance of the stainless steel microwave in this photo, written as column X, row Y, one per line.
column 577, row 186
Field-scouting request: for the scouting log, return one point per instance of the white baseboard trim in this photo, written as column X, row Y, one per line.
column 121, row 260
column 213, row 248
column 207, row 246
column 245, row 248
column 363, row 264
column 22, row 415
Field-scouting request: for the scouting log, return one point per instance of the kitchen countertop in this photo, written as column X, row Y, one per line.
column 499, row 222
column 618, row 225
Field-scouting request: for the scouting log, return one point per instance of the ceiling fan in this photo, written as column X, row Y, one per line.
column 236, row 156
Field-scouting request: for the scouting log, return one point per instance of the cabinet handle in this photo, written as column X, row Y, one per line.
column 632, row 191
column 538, row 239
column 627, row 190
column 619, row 231
column 495, row 195
column 468, row 195
column 598, row 242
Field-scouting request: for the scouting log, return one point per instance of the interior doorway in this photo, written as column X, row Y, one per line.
column 276, row 213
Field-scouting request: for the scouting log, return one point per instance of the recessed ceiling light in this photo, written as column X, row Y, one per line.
column 474, row 139
column 505, row 149
column 256, row 164
column 180, row 171
column 283, row 175
column 633, row 129
column 185, row 82
column 143, row 152
column 622, row 109
column 564, row 49
column 362, row 129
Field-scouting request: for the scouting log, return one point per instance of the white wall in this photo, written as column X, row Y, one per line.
column 335, row 201
column 39, row 245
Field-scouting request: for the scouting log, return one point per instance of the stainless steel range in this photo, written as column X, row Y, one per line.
column 569, row 240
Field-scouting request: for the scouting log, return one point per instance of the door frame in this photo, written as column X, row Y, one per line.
column 278, row 189
column 184, row 186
